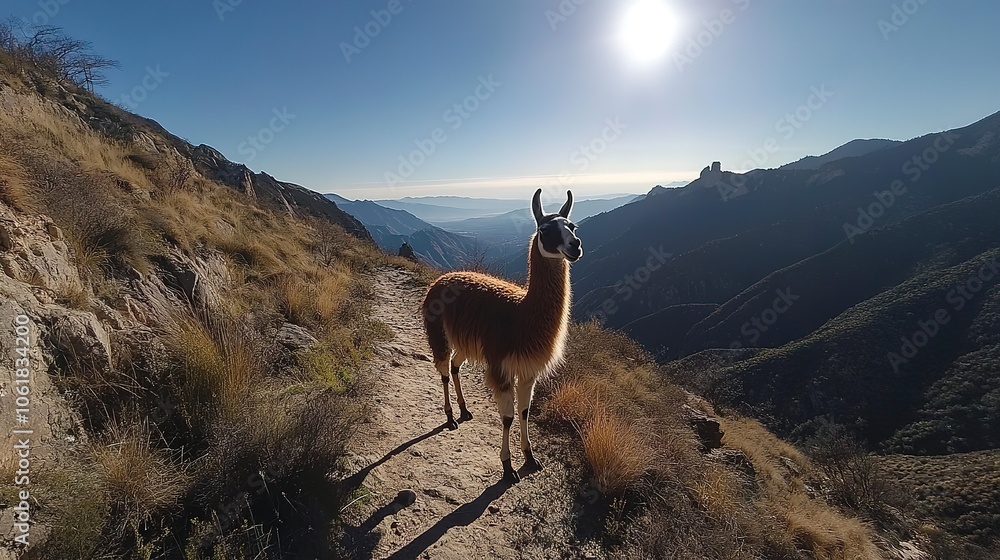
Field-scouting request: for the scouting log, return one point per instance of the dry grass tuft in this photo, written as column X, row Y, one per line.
column 55, row 130
column 217, row 361
column 138, row 479
column 74, row 297
column 616, row 454
column 13, row 180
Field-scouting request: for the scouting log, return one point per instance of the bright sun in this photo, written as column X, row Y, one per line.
column 647, row 30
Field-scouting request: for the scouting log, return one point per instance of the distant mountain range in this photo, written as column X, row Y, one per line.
column 854, row 148
column 390, row 228
column 438, row 209
column 489, row 233
column 828, row 291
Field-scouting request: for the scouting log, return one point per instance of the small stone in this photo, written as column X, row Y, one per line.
column 406, row 497
column 416, row 453
column 53, row 230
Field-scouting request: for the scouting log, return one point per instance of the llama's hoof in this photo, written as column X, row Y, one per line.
column 451, row 424
column 465, row 416
column 509, row 474
column 532, row 464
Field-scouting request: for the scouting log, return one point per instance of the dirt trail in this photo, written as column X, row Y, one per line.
column 462, row 510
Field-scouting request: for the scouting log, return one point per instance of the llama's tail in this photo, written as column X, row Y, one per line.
column 434, row 326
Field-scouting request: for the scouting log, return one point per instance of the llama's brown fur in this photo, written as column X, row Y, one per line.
column 518, row 331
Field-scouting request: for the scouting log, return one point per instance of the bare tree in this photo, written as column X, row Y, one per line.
column 49, row 50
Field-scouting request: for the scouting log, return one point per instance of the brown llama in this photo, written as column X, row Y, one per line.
column 518, row 332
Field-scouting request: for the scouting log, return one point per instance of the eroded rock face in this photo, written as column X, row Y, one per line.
column 32, row 250
column 707, row 429
column 38, row 273
column 79, row 337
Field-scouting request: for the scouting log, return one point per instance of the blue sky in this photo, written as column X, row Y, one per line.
column 547, row 93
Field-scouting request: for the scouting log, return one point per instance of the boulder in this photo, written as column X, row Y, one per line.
column 80, row 337
column 707, row 429
column 295, row 337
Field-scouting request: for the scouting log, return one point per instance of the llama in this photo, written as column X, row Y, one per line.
column 517, row 332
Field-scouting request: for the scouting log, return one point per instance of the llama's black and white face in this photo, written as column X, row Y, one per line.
column 556, row 234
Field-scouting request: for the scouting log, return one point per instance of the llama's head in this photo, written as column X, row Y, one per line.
column 556, row 234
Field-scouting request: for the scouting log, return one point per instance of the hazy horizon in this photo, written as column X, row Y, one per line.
column 391, row 98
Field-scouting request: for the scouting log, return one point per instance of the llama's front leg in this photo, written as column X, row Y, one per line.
column 505, row 404
column 450, row 423
column 525, row 390
column 456, row 377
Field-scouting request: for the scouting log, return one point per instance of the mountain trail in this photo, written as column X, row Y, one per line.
column 462, row 509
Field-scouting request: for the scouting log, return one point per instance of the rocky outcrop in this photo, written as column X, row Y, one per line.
column 287, row 197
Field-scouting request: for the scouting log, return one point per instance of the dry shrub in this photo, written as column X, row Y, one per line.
column 826, row 534
column 854, row 477
column 295, row 300
column 571, row 402
column 216, row 361
column 73, row 296
column 266, row 477
column 103, row 231
column 616, row 453
column 333, row 288
column 718, row 492
column 138, row 479
column 248, row 249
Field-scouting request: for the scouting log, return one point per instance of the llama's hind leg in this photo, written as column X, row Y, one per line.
column 456, row 377
column 525, row 390
column 504, row 396
column 442, row 367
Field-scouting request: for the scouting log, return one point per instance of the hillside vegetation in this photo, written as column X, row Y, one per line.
column 199, row 348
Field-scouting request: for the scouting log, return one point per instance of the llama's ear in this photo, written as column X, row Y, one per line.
column 536, row 207
column 566, row 208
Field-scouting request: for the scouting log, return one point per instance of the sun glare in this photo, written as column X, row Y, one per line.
column 647, row 30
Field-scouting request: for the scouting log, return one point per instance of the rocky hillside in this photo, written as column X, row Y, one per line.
column 159, row 301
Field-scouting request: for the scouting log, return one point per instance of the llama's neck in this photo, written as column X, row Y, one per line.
column 548, row 284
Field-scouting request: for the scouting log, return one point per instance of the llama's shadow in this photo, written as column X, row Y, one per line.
column 361, row 540
column 464, row 515
column 357, row 479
